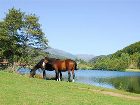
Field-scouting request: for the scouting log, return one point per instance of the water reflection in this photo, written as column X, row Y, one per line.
column 128, row 81
column 130, row 84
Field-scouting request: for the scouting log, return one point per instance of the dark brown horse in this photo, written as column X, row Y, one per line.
column 44, row 65
column 55, row 64
column 60, row 66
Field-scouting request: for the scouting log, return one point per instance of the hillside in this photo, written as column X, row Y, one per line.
column 127, row 58
column 20, row 90
column 131, row 49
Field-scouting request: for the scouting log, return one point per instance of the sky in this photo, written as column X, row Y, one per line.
column 97, row 27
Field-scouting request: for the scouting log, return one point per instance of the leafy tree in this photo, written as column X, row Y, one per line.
column 12, row 24
column 31, row 34
column 19, row 33
column 3, row 38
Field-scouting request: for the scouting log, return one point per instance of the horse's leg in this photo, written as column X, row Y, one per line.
column 44, row 74
column 32, row 73
column 73, row 75
column 43, row 68
column 69, row 75
column 57, row 74
column 60, row 76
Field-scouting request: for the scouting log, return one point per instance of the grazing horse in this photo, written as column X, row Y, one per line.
column 61, row 66
column 44, row 65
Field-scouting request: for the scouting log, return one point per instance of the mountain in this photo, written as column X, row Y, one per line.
column 63, row 54
column 85, row 57
column 59, row 53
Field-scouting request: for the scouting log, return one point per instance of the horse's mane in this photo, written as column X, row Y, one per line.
column 38, row 65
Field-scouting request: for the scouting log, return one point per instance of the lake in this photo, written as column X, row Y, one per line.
column 128, row 81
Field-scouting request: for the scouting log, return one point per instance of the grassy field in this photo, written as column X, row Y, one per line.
column 16, row 89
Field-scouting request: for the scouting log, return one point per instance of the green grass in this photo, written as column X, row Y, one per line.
column 20, row 90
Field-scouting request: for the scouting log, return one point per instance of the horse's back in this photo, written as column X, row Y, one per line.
column 60, row 65
column 64, row 65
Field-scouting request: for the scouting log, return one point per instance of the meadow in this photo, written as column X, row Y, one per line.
column 16, row 89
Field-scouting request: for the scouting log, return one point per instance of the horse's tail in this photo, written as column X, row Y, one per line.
column 76, row 66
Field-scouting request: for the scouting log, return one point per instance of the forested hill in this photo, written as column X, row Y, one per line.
column 127, row 58
column 131, row 49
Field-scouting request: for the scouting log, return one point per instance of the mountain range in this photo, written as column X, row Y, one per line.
column 63, row 54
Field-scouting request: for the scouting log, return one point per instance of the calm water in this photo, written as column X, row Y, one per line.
column 128, row 81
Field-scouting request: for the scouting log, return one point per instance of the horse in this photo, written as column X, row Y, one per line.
column 61, row 66
column 42, row 65
column 58, row 65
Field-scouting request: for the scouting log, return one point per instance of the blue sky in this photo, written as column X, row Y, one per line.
column 97, row 27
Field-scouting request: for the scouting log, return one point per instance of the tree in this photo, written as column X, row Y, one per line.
column 31, row 35
column 12, row 25
column 18, row 33
column 3, row 38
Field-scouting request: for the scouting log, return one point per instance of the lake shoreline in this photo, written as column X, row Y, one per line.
column 132, row 70
column 126, row 70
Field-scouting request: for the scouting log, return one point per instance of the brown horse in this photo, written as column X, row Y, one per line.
column 58, row 65
column 44, row 65
column 61, row 66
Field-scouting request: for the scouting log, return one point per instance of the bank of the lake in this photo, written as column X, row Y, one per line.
column 126, row 70
column 132, row 70
column 16, row 89
column 128, row 81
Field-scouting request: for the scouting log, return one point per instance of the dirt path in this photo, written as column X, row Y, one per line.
column 112, row 94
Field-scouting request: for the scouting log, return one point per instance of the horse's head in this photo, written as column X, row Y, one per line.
column 32, row 73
